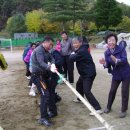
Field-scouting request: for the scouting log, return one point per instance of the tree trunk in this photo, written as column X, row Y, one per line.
column 73, row 28
column 81, row 28
column 63, row 26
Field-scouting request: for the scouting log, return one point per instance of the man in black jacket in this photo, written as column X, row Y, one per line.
column 86, row 69
column 42, row 65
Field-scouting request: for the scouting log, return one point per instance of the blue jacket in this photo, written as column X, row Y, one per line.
column 84, row 62
column 122, row 44
column 121, row 69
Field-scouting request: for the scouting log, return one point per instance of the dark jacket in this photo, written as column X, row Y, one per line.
column 58, row 58
column 84, row 62
column 40, row 60
column 121, row 69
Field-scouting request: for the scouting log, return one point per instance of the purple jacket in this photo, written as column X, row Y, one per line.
column 121, row 69
column 27, row 57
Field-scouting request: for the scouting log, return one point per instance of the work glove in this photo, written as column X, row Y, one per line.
column 53, row 68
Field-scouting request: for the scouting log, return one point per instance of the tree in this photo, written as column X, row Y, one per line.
column 125, row 24
column 92, row 26
column 16, row 24
column 66, row 11
column 23, row 6
column 58, row 11
column 34, row 20
column 9, row 8
column 78, row 11
column 6, row 7
column 125, row 9
column 107, row 13
column 37, row 22
column 47, row 27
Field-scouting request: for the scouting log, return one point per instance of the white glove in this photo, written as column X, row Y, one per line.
column 53, row 68
column 49, row 63
column 73, row 52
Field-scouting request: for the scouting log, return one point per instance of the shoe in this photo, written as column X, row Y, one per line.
column 28, row 77
column 98, row 111
column 57, row 98
column 76, row 101
column 28, row 86
column 109, row 74
column 51, row 114
column 33, row 85
column 45, row 122
column 122, row 114
column 1, row 128
column 106, row 110
column 32, row 93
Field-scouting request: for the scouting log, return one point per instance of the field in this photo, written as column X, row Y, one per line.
column 19, row 111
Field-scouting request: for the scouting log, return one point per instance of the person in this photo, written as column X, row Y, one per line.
column 78, row 88
column 55, row 79
column 58, row 45
column 26, row 49
column 27, row 60
column 66, row 50
column 116, row 58
column 87, row 71
column 56, row 54
column 122, row 43
column 42, row 67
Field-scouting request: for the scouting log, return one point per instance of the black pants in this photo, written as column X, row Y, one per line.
column 68, row 67
column 52, row 87
column 27, row 69
column 30, row 82
column 46, row 92
column 124, row 93
column 84, row 86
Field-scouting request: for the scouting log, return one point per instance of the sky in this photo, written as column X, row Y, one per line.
column 124, row 1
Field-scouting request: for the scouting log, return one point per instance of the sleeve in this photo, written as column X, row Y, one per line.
column 40, row 60
column 71, row 45
column 122, row 59
column 76, row 57
column 28, row 55
column 51, row 59
column 108, row 64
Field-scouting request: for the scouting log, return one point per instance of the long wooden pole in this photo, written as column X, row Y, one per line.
column 86, row 103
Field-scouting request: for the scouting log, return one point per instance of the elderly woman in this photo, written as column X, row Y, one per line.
column 116, row 58
column 87, row 71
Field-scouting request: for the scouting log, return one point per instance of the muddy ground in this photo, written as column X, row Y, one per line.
column 19, row 111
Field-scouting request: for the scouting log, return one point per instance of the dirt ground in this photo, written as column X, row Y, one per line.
column 19, row 111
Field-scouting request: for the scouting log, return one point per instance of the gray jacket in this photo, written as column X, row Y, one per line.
column 66, row 47
column 40, row 59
